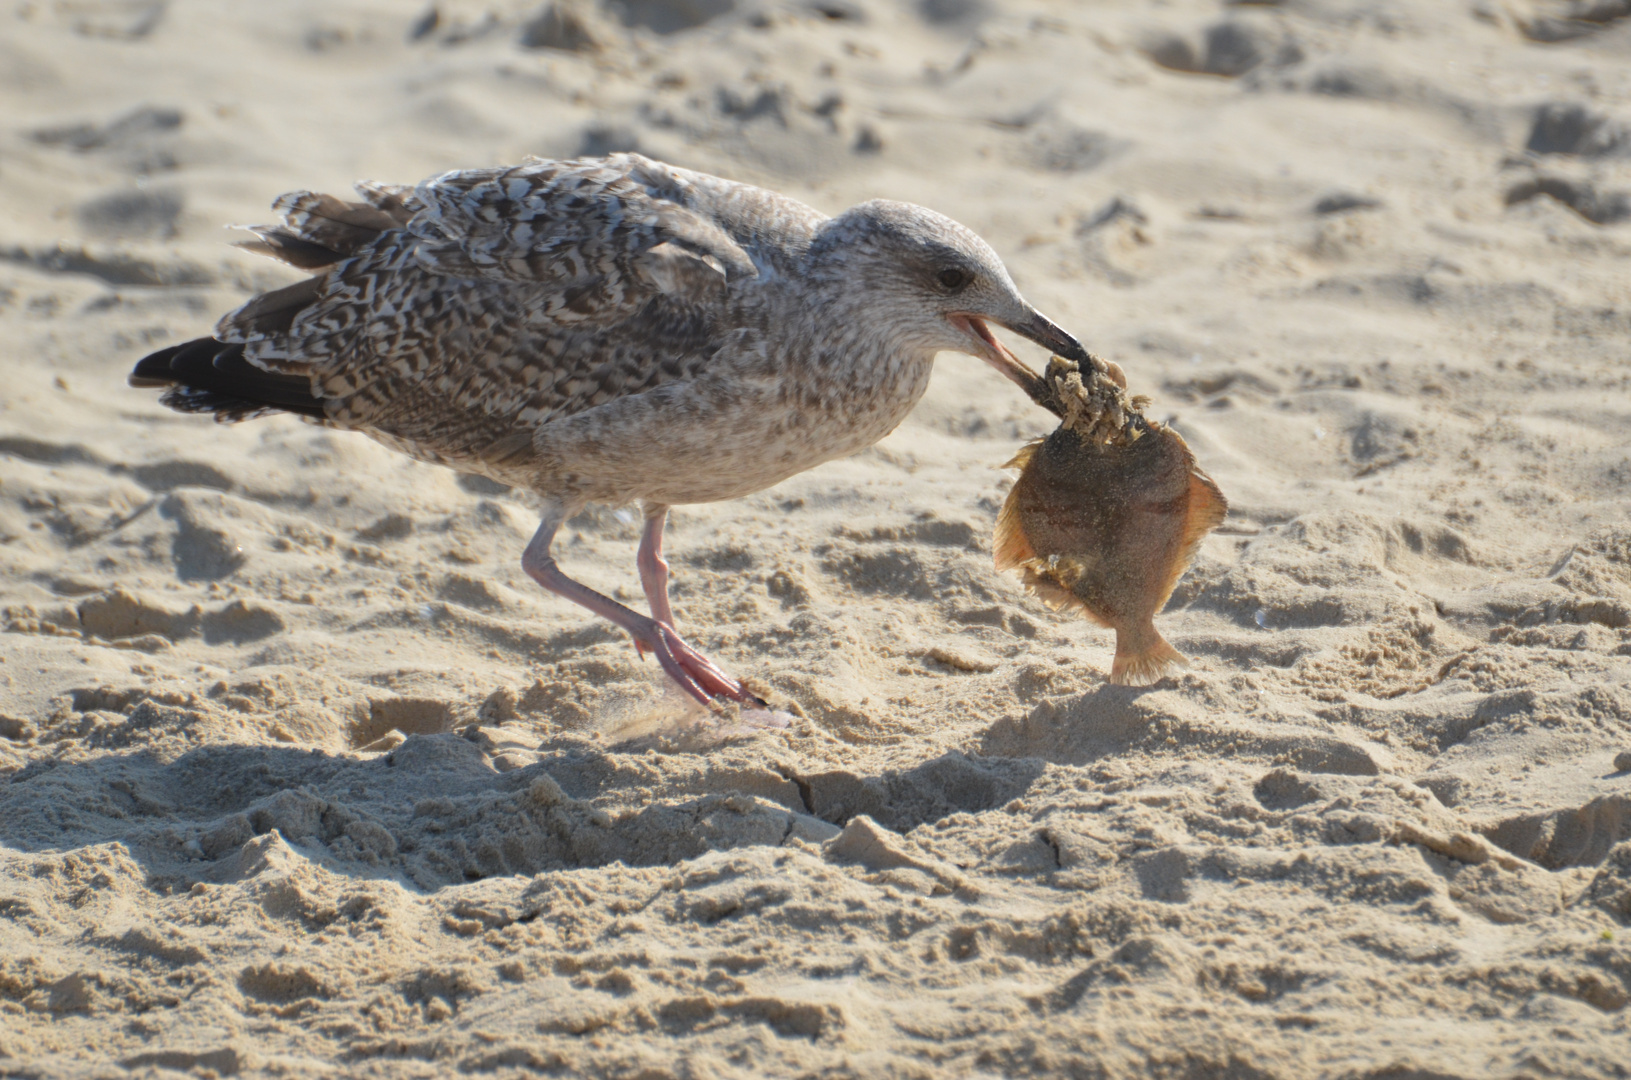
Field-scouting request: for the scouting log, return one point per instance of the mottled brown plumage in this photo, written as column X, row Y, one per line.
column 1106, row 524
column 607, row 330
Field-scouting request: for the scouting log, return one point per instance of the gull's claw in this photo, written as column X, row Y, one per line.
column 695, row 673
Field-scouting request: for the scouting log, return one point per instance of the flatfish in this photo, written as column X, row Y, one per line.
column 1107, row 525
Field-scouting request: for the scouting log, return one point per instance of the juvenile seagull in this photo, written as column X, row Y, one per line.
column 607, row 330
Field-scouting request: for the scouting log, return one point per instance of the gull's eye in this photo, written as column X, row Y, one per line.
column 953, row 278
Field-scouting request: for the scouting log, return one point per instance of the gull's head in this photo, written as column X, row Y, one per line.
column 932, row 284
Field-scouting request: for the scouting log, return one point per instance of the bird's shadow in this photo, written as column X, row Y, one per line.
column 435, row 811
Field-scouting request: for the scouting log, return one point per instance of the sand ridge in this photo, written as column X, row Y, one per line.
column 301, row 775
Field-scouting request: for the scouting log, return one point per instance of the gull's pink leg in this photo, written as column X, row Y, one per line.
column 653, row 567
column 694, row 672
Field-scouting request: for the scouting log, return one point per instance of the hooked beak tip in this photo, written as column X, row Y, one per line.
column 1033, row 327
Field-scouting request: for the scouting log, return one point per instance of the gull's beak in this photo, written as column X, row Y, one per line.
column 1034, row 327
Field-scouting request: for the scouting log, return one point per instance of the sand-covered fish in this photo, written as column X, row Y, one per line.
column 1106, row 515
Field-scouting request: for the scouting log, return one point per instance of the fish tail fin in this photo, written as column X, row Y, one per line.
column 1143, row 657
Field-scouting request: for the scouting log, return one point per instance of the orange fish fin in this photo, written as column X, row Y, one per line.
column 1143, row 657
column 1042, row 581
column 1009, row 545
column 1205, row 511
column 1023, row 458
column 1055, row 596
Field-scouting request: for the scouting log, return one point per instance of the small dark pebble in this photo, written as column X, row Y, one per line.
column 1341, row 202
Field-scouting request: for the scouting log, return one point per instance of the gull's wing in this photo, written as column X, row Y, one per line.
column 454, row 317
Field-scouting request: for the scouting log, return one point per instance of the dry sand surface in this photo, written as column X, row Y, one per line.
column 300, row 775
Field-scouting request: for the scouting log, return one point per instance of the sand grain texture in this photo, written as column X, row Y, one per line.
column 300, row 775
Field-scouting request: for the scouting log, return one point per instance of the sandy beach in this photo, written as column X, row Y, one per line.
column 301, row 775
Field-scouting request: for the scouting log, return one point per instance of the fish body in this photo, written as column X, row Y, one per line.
column 1107, row 528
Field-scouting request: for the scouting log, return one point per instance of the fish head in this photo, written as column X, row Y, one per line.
column 940, row 286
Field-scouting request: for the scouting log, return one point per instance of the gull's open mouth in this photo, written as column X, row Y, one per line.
column 975, row 328
column 1034, row 327
column 985, row 345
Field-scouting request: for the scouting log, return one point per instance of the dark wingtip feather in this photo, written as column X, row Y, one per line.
column 206, row 375
column 274, row 312
column 153, row 372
